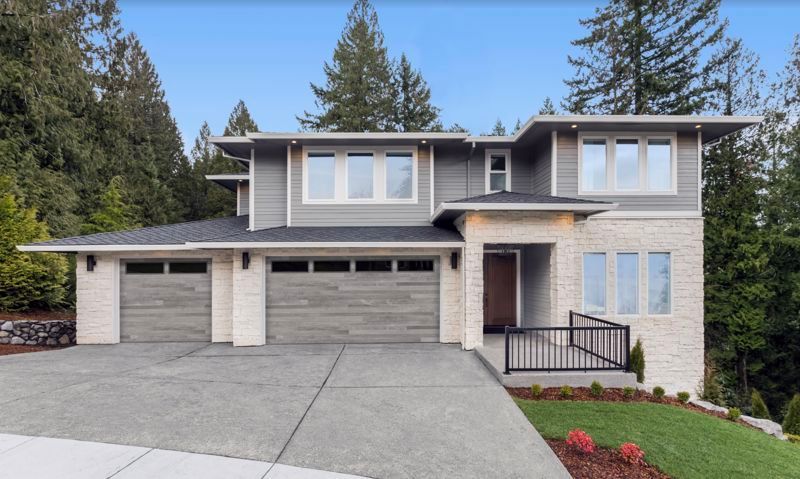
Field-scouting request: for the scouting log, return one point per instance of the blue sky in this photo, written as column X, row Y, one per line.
column 482, row 61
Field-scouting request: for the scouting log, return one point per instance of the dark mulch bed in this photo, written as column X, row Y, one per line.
column 38, row 316
column 601, row 464
column 612, row 395
column 6, row 349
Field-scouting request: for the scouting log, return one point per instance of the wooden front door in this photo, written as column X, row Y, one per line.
column 499, row 291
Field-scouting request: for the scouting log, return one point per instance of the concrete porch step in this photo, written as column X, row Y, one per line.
column 524, row 379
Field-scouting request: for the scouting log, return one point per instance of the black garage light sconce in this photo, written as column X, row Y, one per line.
column 245, row 260
column 454, row 260
column 91, row 262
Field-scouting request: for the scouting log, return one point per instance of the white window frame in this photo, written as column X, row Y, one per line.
column 638, row 283
column 611, row 171
column 671, row 285
column 347, row 154
column 378, row 174
column 414, row 175
column 605, row 282
column 488, row 170
column 306, row 199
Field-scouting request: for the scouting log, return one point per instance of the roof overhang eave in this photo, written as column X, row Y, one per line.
column 586, row 209
column 41, row 248
column 323, row 244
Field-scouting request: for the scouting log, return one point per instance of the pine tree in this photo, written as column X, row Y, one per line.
column 644, row 57
column 413, row 109
column 517, row 127
column 27, row 280
column 115, row 213
column 240, row 122
column 498, row 129
column 637, row 361
column 758, row 407
column 548, row 108
column 791, row 422
column 736, row 258
column 456, row 128
column 208, row 200
column 357, row 95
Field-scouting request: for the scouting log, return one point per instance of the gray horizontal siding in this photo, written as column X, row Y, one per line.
column 417, row 214
column 244, row 199
column 536, row 285
column 269, row 181
column 450, row 173
column 541, row 168
column 685, row 200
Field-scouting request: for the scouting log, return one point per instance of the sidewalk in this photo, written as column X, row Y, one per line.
column 26, row 457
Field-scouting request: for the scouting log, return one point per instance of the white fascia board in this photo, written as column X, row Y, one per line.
column 649, row 214
column 220, row 140
column 417, row 135
column 235, row 158
column 324, row 244
column 242, row 176
column 522, row 207
column 101, row 248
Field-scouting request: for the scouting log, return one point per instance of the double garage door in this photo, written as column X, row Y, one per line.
column 352, row 300
column 165, row 300
column 308, row 300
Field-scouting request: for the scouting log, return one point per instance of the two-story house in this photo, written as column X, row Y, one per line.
column 433, row 237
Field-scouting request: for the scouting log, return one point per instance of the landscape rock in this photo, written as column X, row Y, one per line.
column 7, row 326
column 17, row 340
column 38, row 333
column 769, row 427
column 709, row 406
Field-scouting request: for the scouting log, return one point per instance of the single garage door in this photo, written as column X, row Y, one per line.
column 165, row 300
column 352, row 300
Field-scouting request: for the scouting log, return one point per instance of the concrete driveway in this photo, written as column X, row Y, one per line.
column 383, row 411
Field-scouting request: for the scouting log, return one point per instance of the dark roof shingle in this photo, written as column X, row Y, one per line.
column 344, row 234
column 511, row 197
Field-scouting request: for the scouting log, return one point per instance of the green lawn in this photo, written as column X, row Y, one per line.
column 682, row 443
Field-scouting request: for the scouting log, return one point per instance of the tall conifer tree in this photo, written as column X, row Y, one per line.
column 413, row 109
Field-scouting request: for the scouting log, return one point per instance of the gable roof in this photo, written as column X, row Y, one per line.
column 509, row 201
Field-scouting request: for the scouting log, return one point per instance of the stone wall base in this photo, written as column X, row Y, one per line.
column 38, row 333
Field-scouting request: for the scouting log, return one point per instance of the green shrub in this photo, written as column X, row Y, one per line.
column 791, row 422
column 658, row 392
column 759, row 408
column 712, row 387
column 536, row 390
column 683, row 396
column 628, row 391
column 734, row 413
column 27, row 280
column 793, row 438
column 637, row 361
column 566, row 391
column 597, row 389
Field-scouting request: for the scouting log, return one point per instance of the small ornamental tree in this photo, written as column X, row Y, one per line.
column 791, row 423
column 581, row 441
column 27, row 280
column 758, row 407
column 637, row 361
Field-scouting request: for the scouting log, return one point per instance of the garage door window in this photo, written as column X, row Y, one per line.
column 331, row 266
column 377, row 266
column 188, row 268
column 144, row 268
column 415, row 265
column 290, row 266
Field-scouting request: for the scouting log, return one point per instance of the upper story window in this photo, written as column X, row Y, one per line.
column 399, row 175
column 321, row 175
column 639, row 164
column 360, row 175
column 352, row 175
column 498, row 170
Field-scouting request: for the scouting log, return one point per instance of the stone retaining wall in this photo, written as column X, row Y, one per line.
column 38, row 333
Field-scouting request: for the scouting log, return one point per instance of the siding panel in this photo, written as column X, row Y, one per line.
column 450, row 173
column 244, row 199
column 536, row 285
column 270, row 187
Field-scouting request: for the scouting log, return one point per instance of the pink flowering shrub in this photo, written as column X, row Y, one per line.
column 632, row 453
column 580, row 441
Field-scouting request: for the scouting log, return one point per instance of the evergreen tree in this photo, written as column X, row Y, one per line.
column 357, row 95
column 498, row 129
column 240, row 122
column 517, row 127
column 456, row 128
column 791, row 422
column 736, row 259
column 644, row 57
column 548, row 108
column 758, row 408
column 208, row 200
column 115, row 214
column 637, row 360
column 413, row 109
column 27, row 280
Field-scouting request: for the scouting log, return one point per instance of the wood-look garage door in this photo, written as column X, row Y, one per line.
column 352, row 300
column 165, row 300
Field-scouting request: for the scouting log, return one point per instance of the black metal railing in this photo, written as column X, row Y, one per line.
column 587, row 344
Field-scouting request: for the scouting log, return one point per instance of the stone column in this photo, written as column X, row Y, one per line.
column 97, row 300
column 473, row 295
column 249, row 324
column 222, row 298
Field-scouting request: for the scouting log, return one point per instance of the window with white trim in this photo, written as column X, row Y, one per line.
column 399, row 175
column 638, row 164
column 360, row 176
column 594, row 283
column 498, row 170
column 627, row 283
column 659, row 287
column 321, row 174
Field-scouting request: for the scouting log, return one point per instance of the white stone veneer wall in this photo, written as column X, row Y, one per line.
column 673, row 343
column 97, row 294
